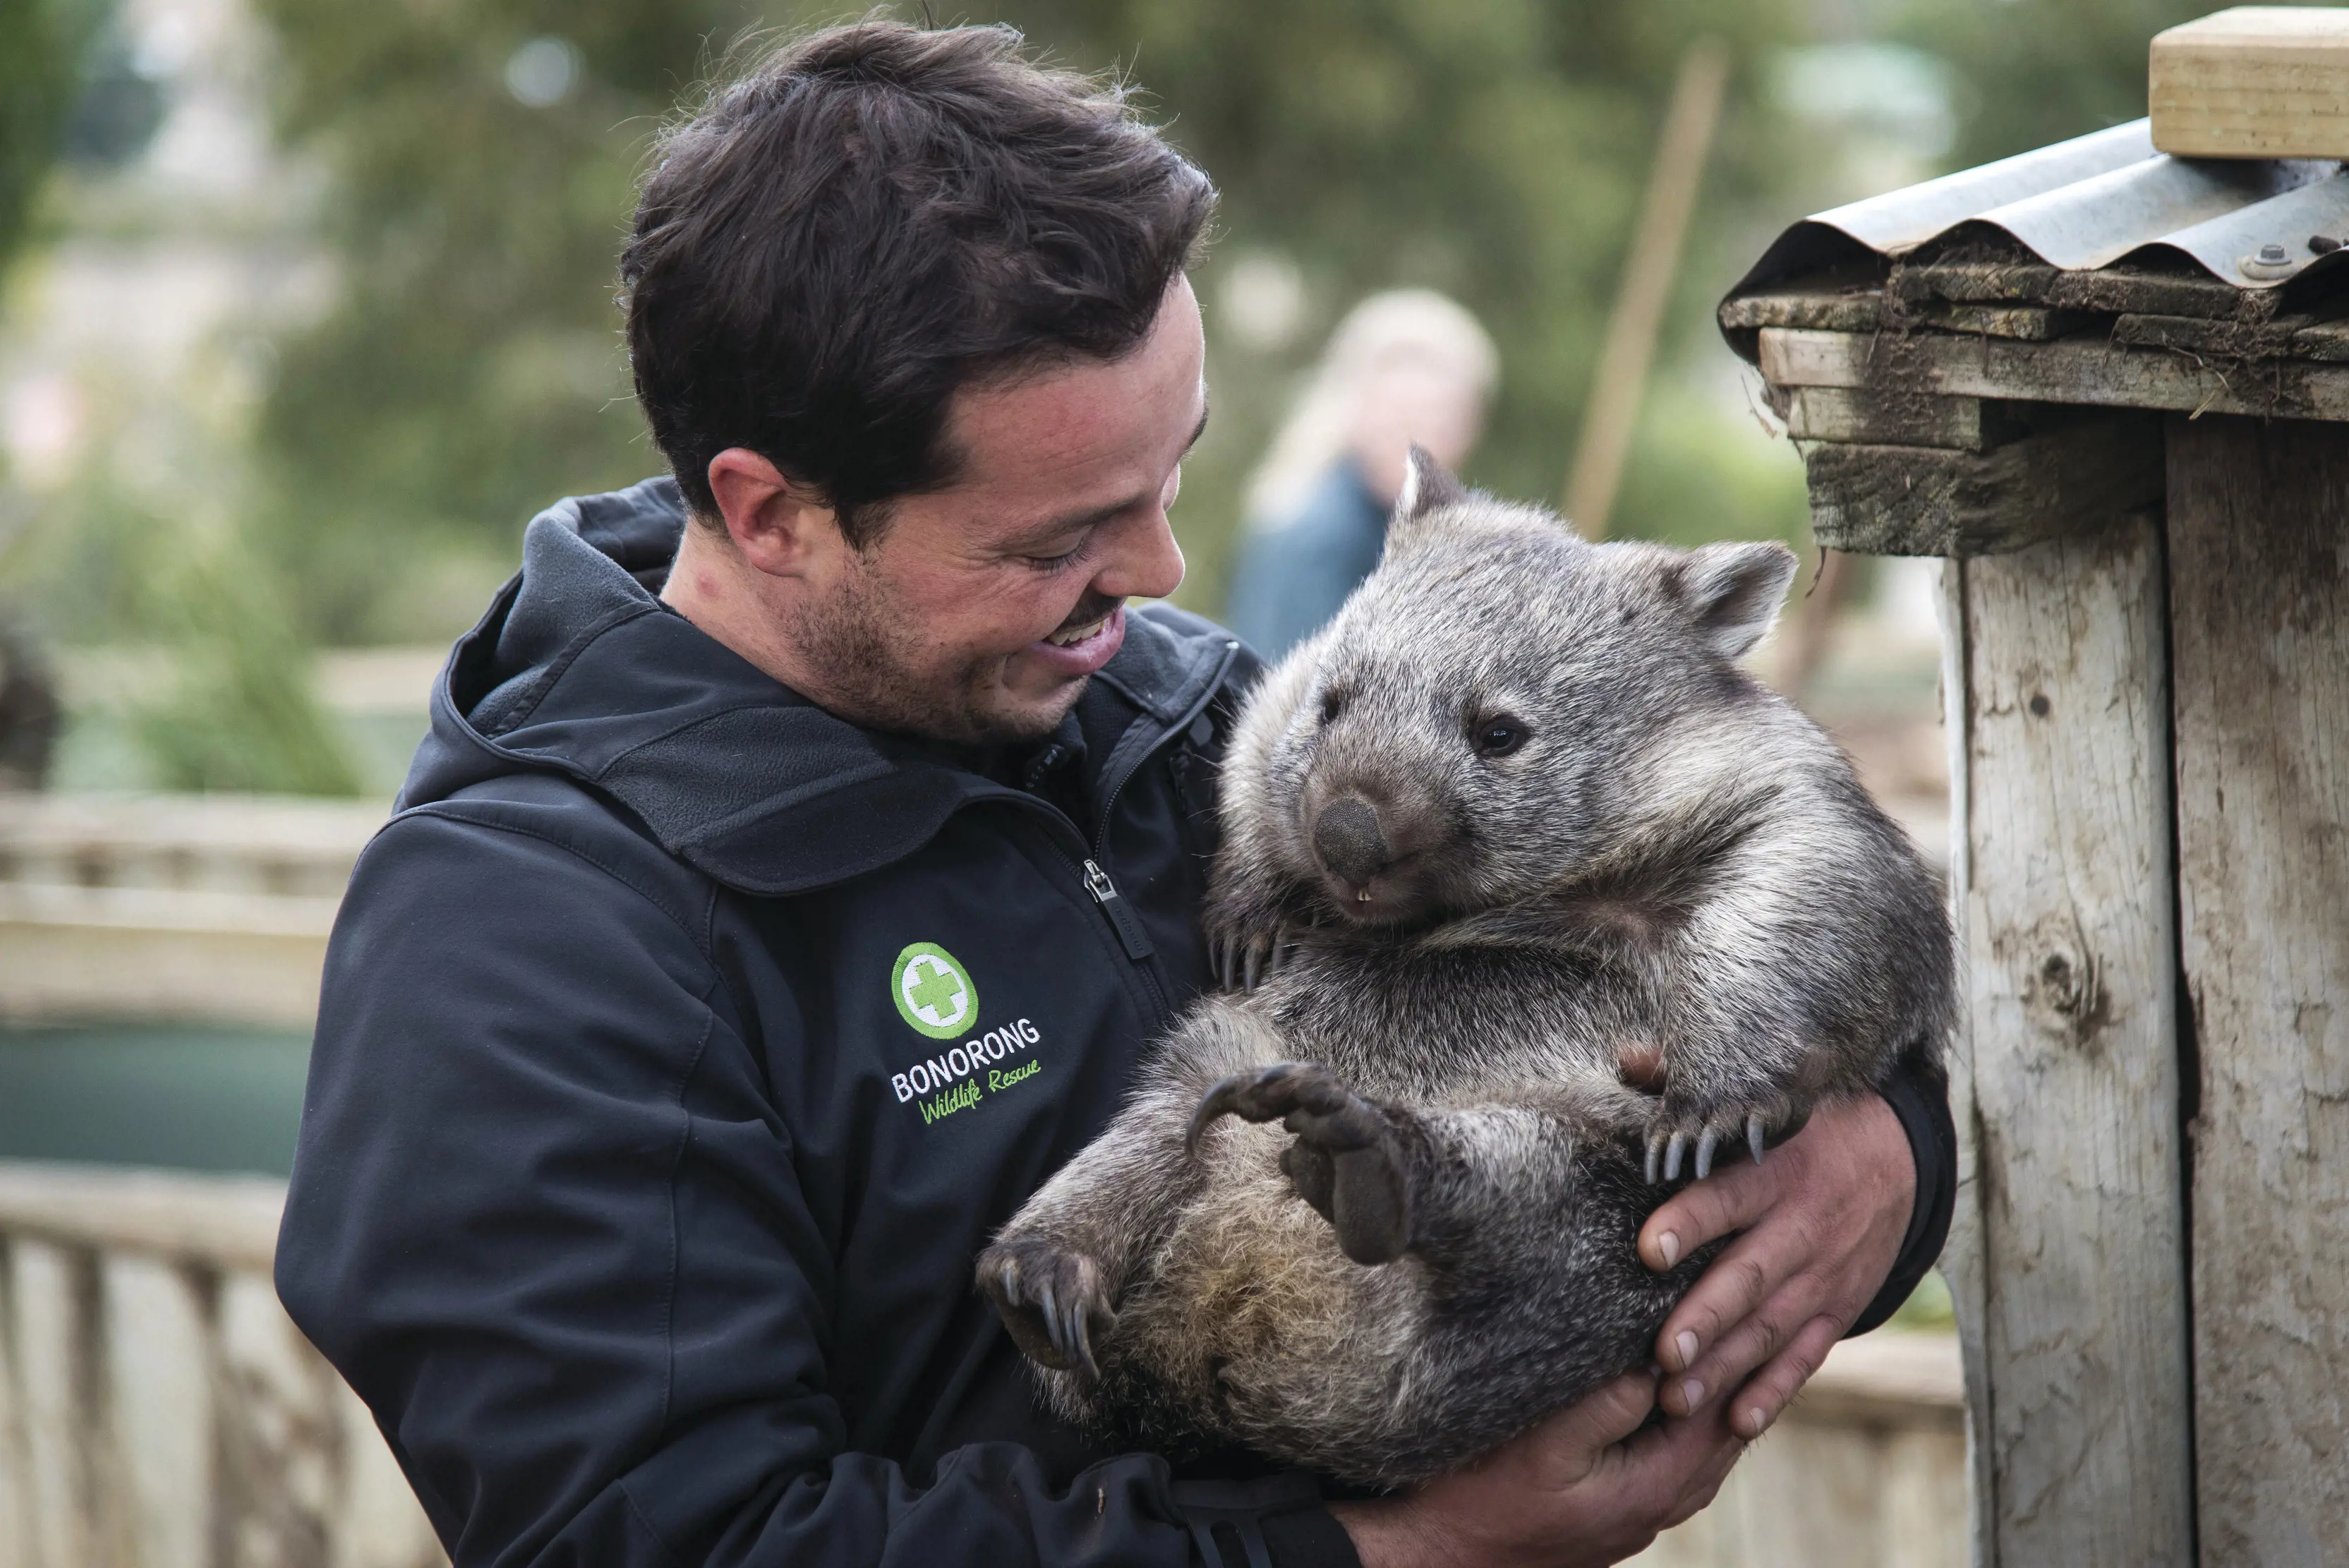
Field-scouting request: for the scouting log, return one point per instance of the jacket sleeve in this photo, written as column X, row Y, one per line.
column 1919, row 1094
column 543, row 1219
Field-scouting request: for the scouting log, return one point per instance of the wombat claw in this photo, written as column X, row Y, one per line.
column 1664, row 1150
column 1347, row 1162
column 1026, row 1298
column 1241, row 963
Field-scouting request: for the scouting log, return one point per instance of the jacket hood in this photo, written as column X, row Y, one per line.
column 578, row 669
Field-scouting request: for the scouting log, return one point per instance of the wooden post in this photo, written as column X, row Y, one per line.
column 2258, row 538
column 1620, row 382
column 2071, row 1249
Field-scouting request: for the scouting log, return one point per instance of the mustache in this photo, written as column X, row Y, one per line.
column 1093, row 607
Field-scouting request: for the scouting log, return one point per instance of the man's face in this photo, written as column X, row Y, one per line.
column 980, row 610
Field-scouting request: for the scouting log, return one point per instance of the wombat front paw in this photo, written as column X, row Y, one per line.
column 1053, row 1301
column 1708, row 1122
column 1348, row 1161
column 1244, row 958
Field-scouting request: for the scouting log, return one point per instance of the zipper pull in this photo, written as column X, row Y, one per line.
column 1130, row 934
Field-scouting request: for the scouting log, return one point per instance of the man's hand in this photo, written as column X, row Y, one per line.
column 1588, row 1487
column 1823, row 1215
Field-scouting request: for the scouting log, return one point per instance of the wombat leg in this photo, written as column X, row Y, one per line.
column 1050, row 1300
column 1349, row 1163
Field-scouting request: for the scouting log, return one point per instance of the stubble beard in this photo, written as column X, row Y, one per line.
column 865, row 659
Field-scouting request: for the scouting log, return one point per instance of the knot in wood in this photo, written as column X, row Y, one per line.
column 2069, row 993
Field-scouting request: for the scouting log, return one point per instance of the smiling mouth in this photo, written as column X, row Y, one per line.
column 1069, row 637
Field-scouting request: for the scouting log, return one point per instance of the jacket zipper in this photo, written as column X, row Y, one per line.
column 1130, row 933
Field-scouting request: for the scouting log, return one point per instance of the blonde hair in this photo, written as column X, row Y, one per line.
column 1403, row 323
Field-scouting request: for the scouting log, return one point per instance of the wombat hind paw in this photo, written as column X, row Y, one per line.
column 1051, row 1301
column 1348, row 1161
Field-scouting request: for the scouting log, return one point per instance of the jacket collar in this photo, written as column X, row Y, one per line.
column 579, row 669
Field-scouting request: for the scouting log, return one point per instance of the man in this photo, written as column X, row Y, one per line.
column 804, row 851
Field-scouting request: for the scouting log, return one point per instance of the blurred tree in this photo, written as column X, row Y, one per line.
column 41, row 45
column 2041, row 71
column 1494, row 149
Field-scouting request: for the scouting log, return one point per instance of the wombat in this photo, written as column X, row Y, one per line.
column 1528, row 891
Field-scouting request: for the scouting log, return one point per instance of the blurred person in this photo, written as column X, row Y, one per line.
column 778, row 900
column 1408, row 366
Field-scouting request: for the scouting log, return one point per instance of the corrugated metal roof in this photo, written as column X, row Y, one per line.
column 2094, row 202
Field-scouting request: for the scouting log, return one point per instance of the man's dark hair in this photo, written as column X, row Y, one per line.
column 871, row 217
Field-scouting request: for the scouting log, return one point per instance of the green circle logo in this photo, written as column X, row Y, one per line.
column 934, row 992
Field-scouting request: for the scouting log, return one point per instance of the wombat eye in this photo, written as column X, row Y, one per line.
column 1499, row 737
column 1331, row 702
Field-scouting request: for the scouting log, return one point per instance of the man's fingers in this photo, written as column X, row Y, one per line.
column 1749, row 1341
column 1609, row 1413
column 1758, row 1405
column 1754, row 1270
column 1727, row 1201
column 1674, row 1468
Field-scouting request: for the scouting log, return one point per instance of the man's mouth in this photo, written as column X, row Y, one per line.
column 1083, row 647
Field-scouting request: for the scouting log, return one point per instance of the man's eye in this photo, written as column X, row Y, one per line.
column 1499, row 737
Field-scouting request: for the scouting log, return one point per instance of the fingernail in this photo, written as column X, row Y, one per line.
column 1685, row 1343
column 1755, row 1422
column 1693, row 1392
column 1668, row 1244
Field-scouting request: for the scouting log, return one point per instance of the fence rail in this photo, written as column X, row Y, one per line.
column 157, row 1407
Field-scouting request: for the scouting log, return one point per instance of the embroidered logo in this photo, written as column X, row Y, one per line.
column 934, row 994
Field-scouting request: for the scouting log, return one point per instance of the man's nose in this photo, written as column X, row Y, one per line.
column 1143, row 562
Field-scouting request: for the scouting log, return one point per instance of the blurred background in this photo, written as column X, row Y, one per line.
column 306, row 305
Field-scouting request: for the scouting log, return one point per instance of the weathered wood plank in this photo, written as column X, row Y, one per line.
column 2070, row 969
column 1920, row 501
column 2259, row 535
column 2075, row 371
column 1962, row 1264
column 1848, row 415
column 2029, row 323
column 2106, row 291
column 2225, row 339
column 1833, row 311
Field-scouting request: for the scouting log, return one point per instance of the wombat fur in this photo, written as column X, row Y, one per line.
column 1529, row 890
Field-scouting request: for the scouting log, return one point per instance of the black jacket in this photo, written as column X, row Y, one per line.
column 680, row 1045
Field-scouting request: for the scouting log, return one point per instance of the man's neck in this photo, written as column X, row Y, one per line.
column 711, row 587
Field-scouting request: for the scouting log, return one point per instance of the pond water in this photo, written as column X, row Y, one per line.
column 175, row 1096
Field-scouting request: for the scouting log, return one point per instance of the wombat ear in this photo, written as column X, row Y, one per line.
column 1428, row 487
column 1734, row 591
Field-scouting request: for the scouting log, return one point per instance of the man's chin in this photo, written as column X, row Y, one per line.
column 1013, row 714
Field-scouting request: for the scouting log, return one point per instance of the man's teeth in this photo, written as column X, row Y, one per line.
column 1077, row 634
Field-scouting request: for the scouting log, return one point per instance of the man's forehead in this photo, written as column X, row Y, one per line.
column 1084, row 428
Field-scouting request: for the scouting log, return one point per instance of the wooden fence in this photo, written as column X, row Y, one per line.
column 157, row 1407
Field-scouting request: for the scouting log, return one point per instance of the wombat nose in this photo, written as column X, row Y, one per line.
column 1348, row 839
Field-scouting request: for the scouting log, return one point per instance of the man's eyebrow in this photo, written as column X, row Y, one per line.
column 1093, row 517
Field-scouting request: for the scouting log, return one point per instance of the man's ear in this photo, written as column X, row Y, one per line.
column 1428, row 488
column 1733, row 591
column 774, row 523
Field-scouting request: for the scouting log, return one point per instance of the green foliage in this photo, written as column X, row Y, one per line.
column 473, row 370
column 2041, row 71
column 221, row 697
column 1494, row 149
column 41, row 42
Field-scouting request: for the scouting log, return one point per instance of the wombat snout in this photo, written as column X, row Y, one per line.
column 1348, row 839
